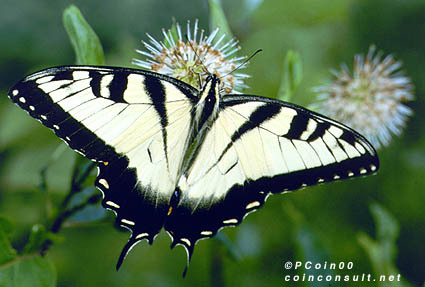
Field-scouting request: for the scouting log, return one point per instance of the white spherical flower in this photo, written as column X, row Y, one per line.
column 369, row 100
column 193, row 58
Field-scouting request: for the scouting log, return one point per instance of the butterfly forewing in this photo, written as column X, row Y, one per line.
column 135, row 124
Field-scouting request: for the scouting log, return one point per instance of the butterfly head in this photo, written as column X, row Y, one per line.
column 211, row 91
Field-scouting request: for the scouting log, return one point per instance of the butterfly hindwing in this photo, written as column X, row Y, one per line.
column 256, row 147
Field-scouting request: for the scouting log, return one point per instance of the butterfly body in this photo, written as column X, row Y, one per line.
column 188, row 161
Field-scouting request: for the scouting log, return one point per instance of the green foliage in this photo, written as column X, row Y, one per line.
column 291, row 77
column 308, row 246
column 88, row 212
column 84, row 40
column 382, row 251
column 37, row 237
column 231, row 249
column 218, row 19
column 6, row 225
column 7, row 253
column 30, row 271
column 26, row 270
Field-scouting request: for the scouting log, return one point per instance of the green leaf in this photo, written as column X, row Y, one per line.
column 84, row 169
column 231, row 249
column 6, row 225
column 249, row 6
column 7, row 253
column 86, row 44
column 82, row 196
column 36, row 239
column 248, row 240
column 33, row 271
column 218, row 19
column 90, row 212
column 60, row 149
column 292, row 75
column 309, row 247
column 382, row 251
column 173, row 31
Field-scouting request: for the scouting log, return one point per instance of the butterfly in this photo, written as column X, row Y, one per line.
column 187, row 160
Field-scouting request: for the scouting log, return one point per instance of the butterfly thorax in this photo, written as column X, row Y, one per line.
column 204, row 113
column 206, row 109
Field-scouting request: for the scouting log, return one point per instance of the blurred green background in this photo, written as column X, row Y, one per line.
column 324, row 223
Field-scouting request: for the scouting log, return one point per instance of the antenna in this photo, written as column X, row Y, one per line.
column 243, row 63
column 200, row 61
column 196, row 55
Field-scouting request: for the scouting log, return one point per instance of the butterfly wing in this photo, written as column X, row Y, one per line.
column 135, row 124
column 257, row 147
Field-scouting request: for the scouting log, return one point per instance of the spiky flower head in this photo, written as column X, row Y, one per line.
column 187, row 58
column 369, row 100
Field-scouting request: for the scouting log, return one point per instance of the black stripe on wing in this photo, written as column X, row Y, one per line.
column 62, row 75
column 117, row 86
column 298, row 126
column 260, row 115
column 156, row 91
column 95, row 83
